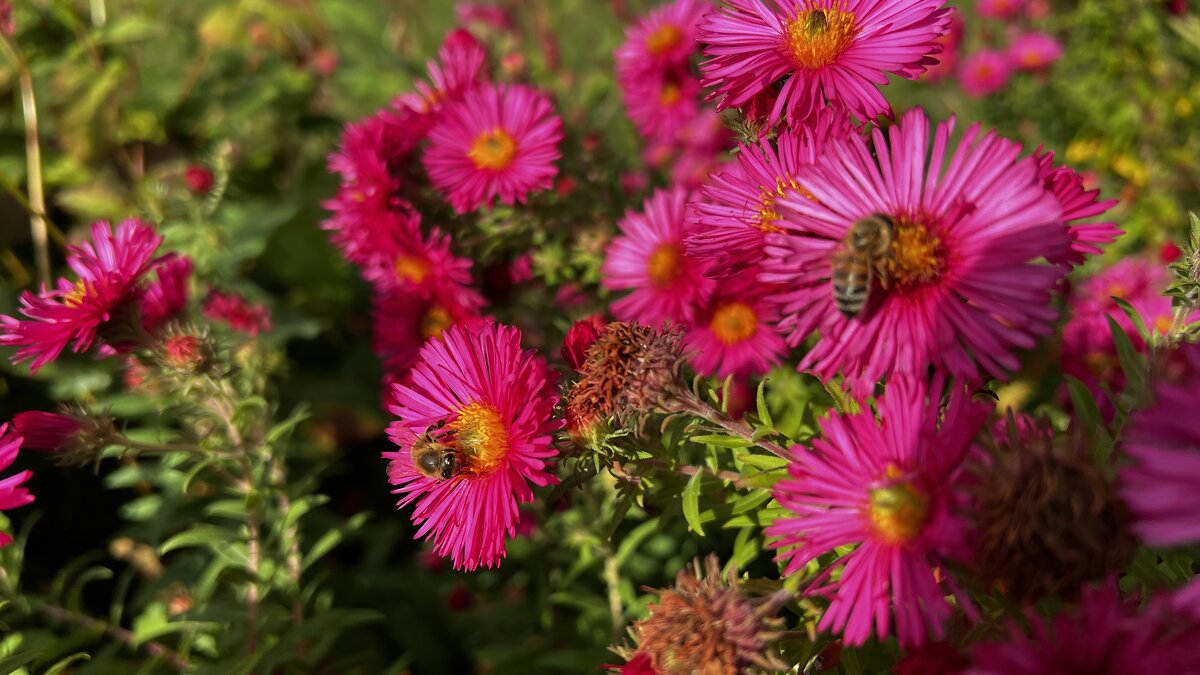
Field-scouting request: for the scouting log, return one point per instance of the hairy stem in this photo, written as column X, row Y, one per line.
column 33, row 163
column 691, row 404
column 612, row 579
column 290, row 538
column 156, row 649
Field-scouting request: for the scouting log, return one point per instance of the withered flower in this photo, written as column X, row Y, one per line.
column 1048, row 516
column 707, row 625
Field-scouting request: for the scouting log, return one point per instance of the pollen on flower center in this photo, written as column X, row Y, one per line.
column 766, row 216
column 734, row 322
column 76, row 296
column 664, row 265
column 898, row 510
column 917, row 257
column 481, row 436
column 670, row 94
column 493, row 150
column 412, row 270
column 436, row 320
column 816, row 37
column 665, row 38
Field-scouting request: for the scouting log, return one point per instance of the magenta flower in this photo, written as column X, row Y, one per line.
column 883, row 483
column 500, row 141
column 999, row 9
column 411, row 264
column 1078, row 203
column 166, row 297
column 1104, row 635
column 965, row 288
column 102, row 303
column 461, row 65
column 1161, row 484
column 984, row 72
column 1033, row 51
column 404, row 321
column 488, row 15
column 736, row 208
column 649, row 259
column 733, row 332
column 662, row 40
column 373, row 161
column 829, row 51
column 660, row 105
column 948, row 58
column 46, row 431
column 492, row 405
column 239, row 313
column 12, row 494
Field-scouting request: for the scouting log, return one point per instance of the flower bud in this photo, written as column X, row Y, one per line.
column 580, row 338
column 199, row 179
column 74, row 436
column 185, row 353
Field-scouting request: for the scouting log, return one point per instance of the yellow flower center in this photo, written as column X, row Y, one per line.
column 898, row 510
column 767, row 216
column 670, row 94
column 493, row 150
column 436, row 320
column 76, row 296
column 734, row 322
column 481, row 436
column 1116, row 290
column 664, row 38
column 664, row 265
column 412, row 270
column 917, row 255
column 817, row 36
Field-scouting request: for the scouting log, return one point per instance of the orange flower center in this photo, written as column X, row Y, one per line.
column 898, row 510
column 818, row 36
column 412, row 270
column 436, row 320
column 1031, row 58
column 481, row 436
column 1162, row 323
column 664, row 38
column 734, row 322
column 665, row 265
column 76, row 296
column 917, row 257
column 493, row 150
column 767, row 216
column 670, row 94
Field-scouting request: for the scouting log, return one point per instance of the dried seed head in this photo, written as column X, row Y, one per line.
column 630, row 370
column 707, row 625
column 1048, row 516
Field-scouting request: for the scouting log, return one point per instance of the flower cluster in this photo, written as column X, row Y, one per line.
column 989, row 68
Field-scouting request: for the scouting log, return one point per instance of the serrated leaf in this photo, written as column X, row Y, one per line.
column 691, row 504
column 722, row 441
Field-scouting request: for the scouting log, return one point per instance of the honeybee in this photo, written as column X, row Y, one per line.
column 859, row 260
column 817, row 22
column 433, row 458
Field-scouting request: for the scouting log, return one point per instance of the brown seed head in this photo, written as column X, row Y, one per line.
column 630, row 370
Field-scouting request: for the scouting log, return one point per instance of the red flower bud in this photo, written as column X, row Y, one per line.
column 581, row 336
column 1169, row 253
column 199, row 179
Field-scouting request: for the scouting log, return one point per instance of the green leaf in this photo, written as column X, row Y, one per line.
column 746, row 548
column 752, row 500
column 203, row 535
column 691, row 504
column 9, row 664
column 1134, row 316
column 332, row 538
column 722, row 441
column 765, row 462
column 764, row 415
column 1132, row 362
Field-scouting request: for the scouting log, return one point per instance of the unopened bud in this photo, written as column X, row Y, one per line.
column 74, row 436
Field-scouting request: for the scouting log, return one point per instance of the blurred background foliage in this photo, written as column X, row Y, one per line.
column 132, row 92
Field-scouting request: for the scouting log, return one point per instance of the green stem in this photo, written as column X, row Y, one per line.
column 156, row 649
column 689, row 403
column 33, row 163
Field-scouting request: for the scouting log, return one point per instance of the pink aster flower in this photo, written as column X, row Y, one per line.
column 407, row 263
column 733, row 331
column 404, row 321
column 884, row 483
column 736, row 208
column 12, row 494
column 1104, row 635
column 948, row 58
column 965, row 287
column 102, row 303
column 491, row 406
column 240, row 314
column 1078, row 203
column 373, row 161
column 1161, row 484
column 488, row 15
column 830, row 50
column 663, row 39
column 167, row 296
column 8, row 26
column 47, row 431
column 499, row 141
column 984, row 72
column 649, row 258
column 1033, row 51
column 661, row 104
column 460, row 66
column 999, row 9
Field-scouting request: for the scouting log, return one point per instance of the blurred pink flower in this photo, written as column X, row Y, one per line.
column 12, row 494
column 984, row 72
column 999, row 9
column 235, row 310
column 1033, row 51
